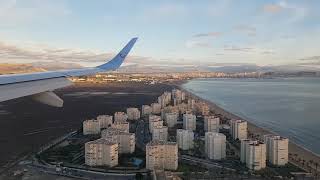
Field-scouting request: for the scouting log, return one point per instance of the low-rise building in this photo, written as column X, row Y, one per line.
column 171, row 119
column 146, row 110
column 211, row 124
column 185, row 139
column 101, row 152
column 189, row 122
column 133, row 113
column 215, row 145
column 160, row 133
column 105, row 121
column 277, row 149
column 238, row 129
column 120, row 117
column 121, row 126
column 91, row 126
column 162, row 155
column 125, row 140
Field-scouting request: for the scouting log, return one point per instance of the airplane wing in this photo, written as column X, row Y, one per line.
column 40, row 85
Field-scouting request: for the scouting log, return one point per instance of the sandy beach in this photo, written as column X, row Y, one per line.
column 301, row 152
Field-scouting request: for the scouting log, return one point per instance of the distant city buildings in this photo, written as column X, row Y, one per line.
column 105, row 121
column 91, row 127
column 120, row 117
column 238, row 129
column 171, row 119
column 161, row 155
column 215, row 145
column 125, row 140
column 160, row 133
column 156, row 108
column 101, row 152
column 253, row 153
column 211, row 124
column 277, row 149
column 133, row 113
column 185, row 139
column 164, row 99
column 146, row 110
column 189, row 122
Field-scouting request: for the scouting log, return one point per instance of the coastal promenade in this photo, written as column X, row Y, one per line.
column 298, row 155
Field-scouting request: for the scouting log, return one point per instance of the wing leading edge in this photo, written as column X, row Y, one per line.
column 40, row 84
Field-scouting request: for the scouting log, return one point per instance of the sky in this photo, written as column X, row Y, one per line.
column 264, row 32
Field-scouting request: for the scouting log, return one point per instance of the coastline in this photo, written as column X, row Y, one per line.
column 302, row 152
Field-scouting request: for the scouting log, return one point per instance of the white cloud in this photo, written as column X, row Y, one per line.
column 19, row 12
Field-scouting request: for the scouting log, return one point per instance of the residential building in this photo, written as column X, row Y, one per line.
column 91, row 126
column 160, row 133
column 105, row 121
column 211, row 124
column 121, row 126
column 171, row 119
column 120, row 117
column 125, row 140
column 238, row 129
column 133, row 113
column 277, row 149
column 189, row 122
column 101, row 152
column 146, row 110
column 255, row 154
column 215, row 145
column 185, row 139
column 156, row 108
column 162, row 155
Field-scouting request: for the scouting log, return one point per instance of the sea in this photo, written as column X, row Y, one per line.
column 289, row 107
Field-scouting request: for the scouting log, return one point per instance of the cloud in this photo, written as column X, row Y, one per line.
column 294, row 12
column 15, row 53
column 209, row 34
column 272, row 8
column 197, row 43
column 311, row 58
column 17, row 12
column 246, row 29
column 236, row 48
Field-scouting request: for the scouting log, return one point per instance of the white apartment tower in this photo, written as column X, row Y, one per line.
column 171, row 119
column 101, row 152
column 277, row 149
column 121, row 126
column 146, row 110
column 162, row 155
column 126, row 141
column 215, row 145
column 91, row 127
column 133, row 113
column 238, row 129
column 255, row 154
column 105, row 121
column 156, row 108
column 211, row 124
column 185, row 139
column 160, row 133
column 189, row 122
column 120, row 117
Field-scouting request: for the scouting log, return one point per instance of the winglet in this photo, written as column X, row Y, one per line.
column 116, row 62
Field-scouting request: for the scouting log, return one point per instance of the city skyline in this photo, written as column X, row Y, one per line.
column 170, row 32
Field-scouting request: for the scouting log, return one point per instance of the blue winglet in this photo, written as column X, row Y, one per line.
column 116, row 62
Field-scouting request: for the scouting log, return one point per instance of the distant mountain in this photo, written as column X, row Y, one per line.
column 35, row 67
